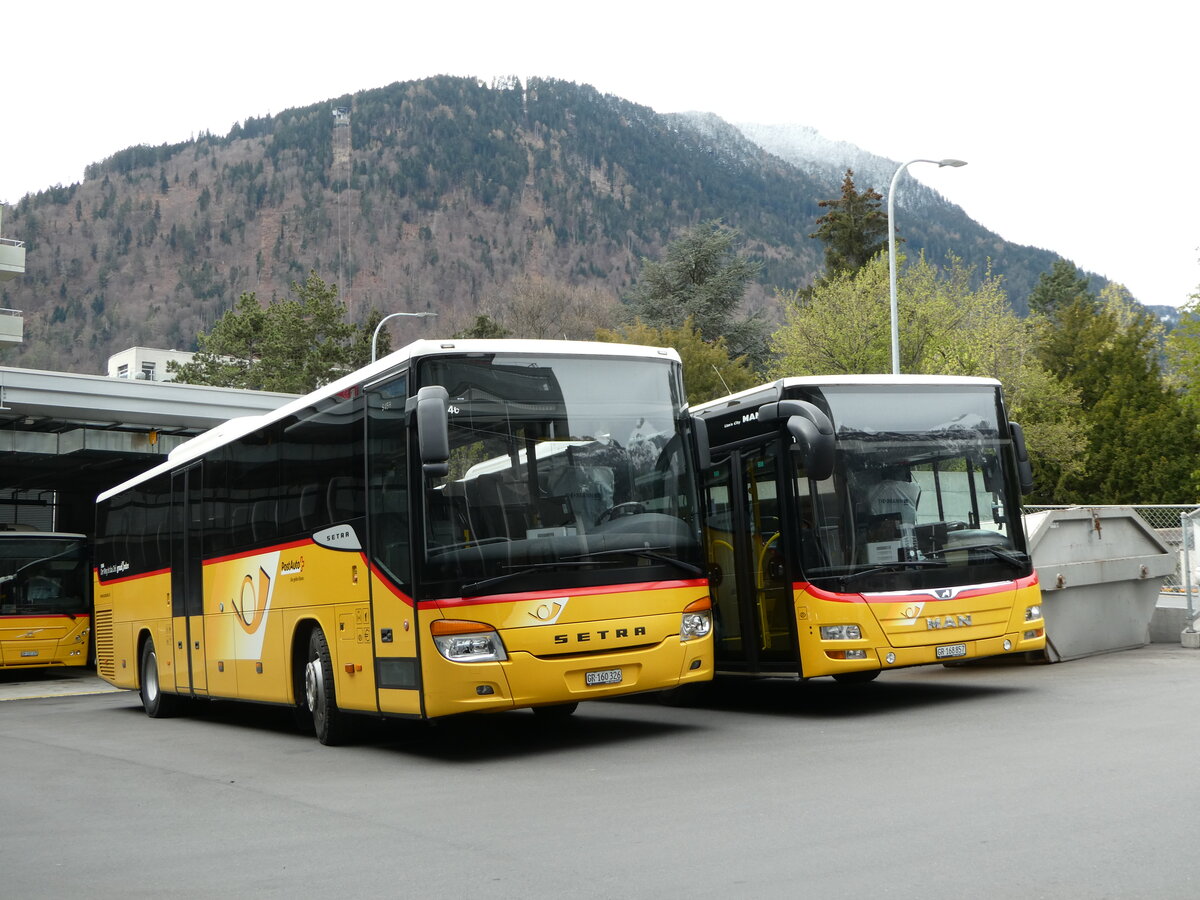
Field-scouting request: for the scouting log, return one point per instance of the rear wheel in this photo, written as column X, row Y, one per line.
column 328, row 721
column 157, row 704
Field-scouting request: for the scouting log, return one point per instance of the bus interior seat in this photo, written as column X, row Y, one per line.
column 344, row 498
column 287, row 515
column 486, row 509
column 262, row 520
column 241, row 532
column 310, row 502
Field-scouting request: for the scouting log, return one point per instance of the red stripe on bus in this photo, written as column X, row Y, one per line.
column 383, row 579
column 290, row 545
column 962, row 591
column 96, row 574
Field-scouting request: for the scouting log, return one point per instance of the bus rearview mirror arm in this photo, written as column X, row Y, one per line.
column 703, row 449
column 1024, row 466
column 812, row 430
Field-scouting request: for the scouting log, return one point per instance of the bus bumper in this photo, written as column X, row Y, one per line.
column 524, row 680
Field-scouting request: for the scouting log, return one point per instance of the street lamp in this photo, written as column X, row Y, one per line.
column 375, row 335
column 892, row 250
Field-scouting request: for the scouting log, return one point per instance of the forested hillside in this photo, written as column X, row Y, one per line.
column 420, row 196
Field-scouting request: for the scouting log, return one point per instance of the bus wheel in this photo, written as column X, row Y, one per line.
column 157, row 704
column 553, row 713
column 328, row 721
column 856, row 677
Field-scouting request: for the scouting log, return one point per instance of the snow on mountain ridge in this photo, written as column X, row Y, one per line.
column 812, row 152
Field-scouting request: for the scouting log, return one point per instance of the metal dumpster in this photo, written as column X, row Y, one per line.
column 1100, row 570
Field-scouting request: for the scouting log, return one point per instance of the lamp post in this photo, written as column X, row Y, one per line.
column 375, row 334
column 892, row 250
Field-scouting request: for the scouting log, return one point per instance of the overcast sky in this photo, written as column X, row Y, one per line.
column 1079, row 121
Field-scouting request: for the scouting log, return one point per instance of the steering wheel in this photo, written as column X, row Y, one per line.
column 629, row 508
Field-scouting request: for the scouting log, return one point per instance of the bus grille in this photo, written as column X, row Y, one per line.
column 106, row 659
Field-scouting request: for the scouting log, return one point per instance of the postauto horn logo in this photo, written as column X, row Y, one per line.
column 252, row 607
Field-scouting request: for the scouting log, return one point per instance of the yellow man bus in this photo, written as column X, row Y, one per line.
column 863, row 523
column 460, row 526
column 45, row 600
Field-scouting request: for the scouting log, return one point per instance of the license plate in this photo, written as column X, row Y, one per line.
column 951, row 651
column 602, row 676
column 29, row 653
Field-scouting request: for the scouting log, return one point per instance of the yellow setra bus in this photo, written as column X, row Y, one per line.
column 864, row 523
column 45, row 599
column 460, row 526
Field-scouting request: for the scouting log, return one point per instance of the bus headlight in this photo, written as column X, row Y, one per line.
column 697, row 620
column 1033, row 612
column 461, row 641
column 841, row 633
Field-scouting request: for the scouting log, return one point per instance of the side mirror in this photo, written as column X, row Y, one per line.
column 1024, row 466
column 433, row 430
column 703, row 448
column 812, row 430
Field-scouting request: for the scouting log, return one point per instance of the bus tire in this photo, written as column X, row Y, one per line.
column 555, row 712
column 156, row 703
column 857, row 677
column 328, row 721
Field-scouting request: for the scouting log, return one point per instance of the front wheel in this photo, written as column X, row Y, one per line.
column 329, row 722
column 156, row 704
column 856, row 677
column 556, row 712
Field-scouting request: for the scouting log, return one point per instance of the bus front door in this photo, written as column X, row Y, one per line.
column 187, row 595
column 755, row 618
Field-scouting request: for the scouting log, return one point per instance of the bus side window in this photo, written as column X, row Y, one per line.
column 344, row 498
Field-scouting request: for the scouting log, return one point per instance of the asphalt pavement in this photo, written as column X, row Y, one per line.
column 1002, row 780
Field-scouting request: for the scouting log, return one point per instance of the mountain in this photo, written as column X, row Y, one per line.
column 431, row 195
column 930, row 221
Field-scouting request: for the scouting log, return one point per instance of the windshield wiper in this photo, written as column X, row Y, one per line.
column 1014, row 558
column 654, row 553
column 583, row 560
column 898, row 566
column 478, row 587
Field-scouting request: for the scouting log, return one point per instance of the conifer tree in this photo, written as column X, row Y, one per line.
column 853, row 230
column 1142, row 439
column 1059, row 288
column 293, row 345
column 701, row 279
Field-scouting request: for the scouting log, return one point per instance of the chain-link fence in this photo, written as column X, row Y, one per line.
column 1165, row 521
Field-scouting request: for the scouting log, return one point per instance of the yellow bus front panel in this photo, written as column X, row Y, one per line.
column 49, row 640
column 562, row 648
column 843, row 633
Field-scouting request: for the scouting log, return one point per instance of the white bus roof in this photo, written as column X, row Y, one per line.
column 775, row 389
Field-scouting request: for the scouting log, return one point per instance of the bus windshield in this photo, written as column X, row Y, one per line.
column 921, row 491
column 43, row 574
column 558, row 477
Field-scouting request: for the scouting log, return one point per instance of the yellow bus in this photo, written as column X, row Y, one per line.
column 863, row 523
column 45, row 603
column 460, row 526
